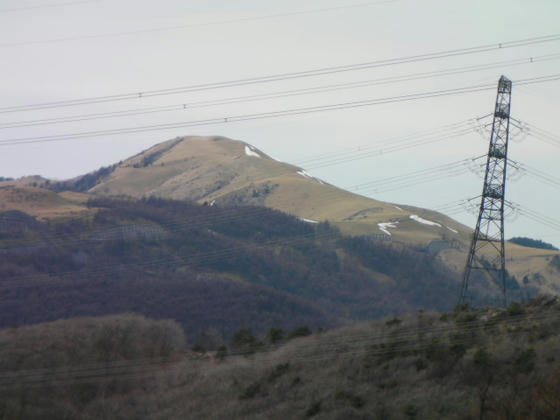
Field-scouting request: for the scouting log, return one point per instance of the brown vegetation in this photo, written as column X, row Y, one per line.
column 484, row 364
column 61, row 369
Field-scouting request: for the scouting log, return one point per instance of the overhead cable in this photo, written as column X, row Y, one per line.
column 191, row 25
column 274, row 95
column 273, row 114
column 285, row 76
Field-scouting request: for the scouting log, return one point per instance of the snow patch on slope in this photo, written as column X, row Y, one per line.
column 419, row 219
column 249, row 151
column 307, row 175
column 308, row 220
column 452, row 230
column 384, row 227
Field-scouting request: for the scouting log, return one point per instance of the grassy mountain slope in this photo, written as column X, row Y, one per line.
column 41, row 202
column 226, row 171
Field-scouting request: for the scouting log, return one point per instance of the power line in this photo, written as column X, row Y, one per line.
column 543, row 135
column 247, row 117
column 461, row 206
column 271, row 114
column 417, row 177
column 457, row 206
column 284, row 76
column 384, row 149
column 47, row 6
column 278, row 94
column 447, row 129
column 536, row 173
column 535, row 216
column 193, row 25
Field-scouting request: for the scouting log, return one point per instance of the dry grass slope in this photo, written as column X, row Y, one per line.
column 42, row 203
column 466, row 365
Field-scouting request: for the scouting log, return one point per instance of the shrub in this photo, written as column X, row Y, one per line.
column 251, row 391
column 302, row 331
column 466, row 317
column 393, row 322
column 515, row 309
column 198, row 348
column 524, row 361
column 354, row 400
column 244, row 341
column 221, row 353
column 313, row 409
column 420, row 364
column 555, row 262
column 274, row 335
column 210, row 339
column 457, row 349
column 278, row 371
column 435, row 350
column 482, row 358
column 411, row 411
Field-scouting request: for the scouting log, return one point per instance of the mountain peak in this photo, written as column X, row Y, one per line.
column 193, row 167
column 232, row 172
column 185, row 148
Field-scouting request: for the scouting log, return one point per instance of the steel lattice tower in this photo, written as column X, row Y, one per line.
column 489, row 233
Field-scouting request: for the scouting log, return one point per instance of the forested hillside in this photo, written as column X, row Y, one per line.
column 208, row 267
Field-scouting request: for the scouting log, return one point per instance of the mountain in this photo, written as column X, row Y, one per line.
column 222, row 171
column 218, row 170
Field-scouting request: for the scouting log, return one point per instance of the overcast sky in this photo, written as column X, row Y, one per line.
column 56, row 50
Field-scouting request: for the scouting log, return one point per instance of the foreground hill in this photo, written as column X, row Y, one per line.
column 485, row 364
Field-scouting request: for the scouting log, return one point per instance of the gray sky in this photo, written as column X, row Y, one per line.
column 62, row 49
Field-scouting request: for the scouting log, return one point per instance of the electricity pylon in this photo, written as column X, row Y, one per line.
column 487, row 251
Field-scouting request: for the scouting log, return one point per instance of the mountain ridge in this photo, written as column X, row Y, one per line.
column 220, row 171
column 224, row 171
